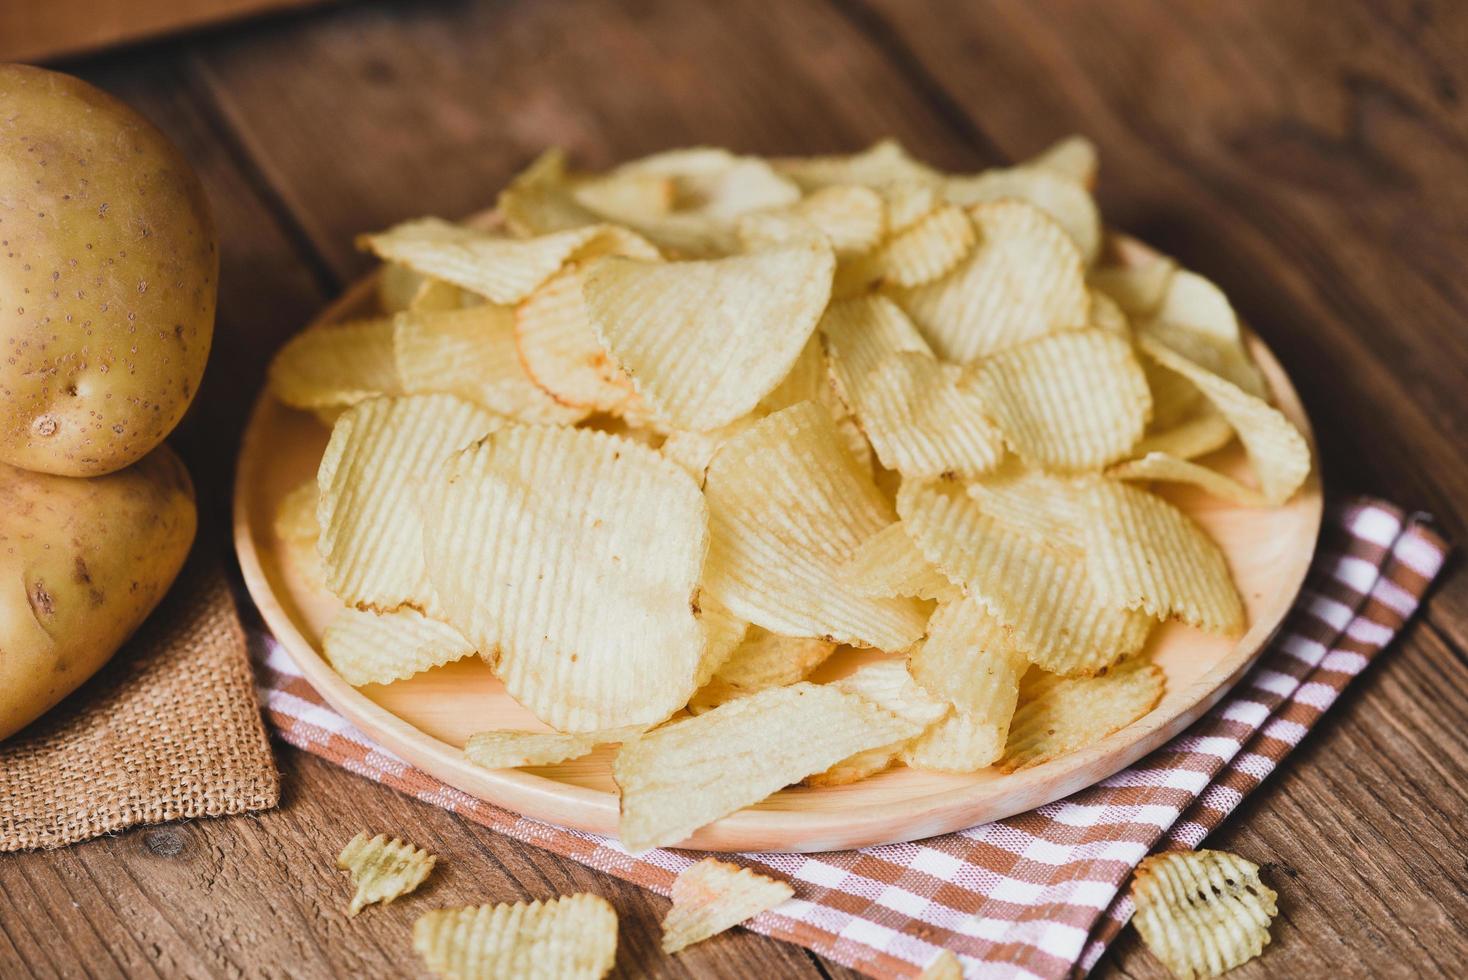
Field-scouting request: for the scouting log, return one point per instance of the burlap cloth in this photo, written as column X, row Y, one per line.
column 169, row 729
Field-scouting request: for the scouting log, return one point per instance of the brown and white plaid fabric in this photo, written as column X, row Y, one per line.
column 1039, row 894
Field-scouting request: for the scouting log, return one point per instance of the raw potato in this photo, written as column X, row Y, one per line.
column 108, row 273
column 83, row 562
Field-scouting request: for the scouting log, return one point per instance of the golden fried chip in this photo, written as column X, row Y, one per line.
column 577, row 555
column 1073, row 157
column 1197, row 434
column 336, row 365
column 944, row 966
column 788, row 506
column 1033, row 502
column 369, row 480
column 880, row 165
column 924, row 251
column 909, row 202
column 569, row 938
column 723, row 632
column 295, row 518
column 379, row 648
column 1170, row 469
column 889, row 564
column 852, row 220
column 1146, row 554
column 1108, row 316
column 887, row 684
column 1024, row 279
column 1196, row 320
column 705, row 341
column 396, row 287
column 1138, row 289
column 437, row 296
column 968, row 660
column 638, row 195
column 712, row 896
column 1064, row 201
column 1072, row 401
column 540, row 199
column 683, row 775
column 1058, row 715
column 1202, row 913
column 1278, row 452
column 560, row 351
column 511, row 749
column 471, row 353
column 1039, row 590
column 762, row 660
column 383, row 869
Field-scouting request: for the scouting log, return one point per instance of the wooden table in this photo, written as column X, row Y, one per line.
column 1308, row 156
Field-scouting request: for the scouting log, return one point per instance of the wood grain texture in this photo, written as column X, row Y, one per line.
column 1306, row 155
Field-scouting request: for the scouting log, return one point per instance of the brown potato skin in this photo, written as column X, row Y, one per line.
column 82, row 563
column 108, row 275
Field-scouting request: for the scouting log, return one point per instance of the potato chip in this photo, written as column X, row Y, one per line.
column 1175, row 399
column 1039, row 590
column 1138, row 289
column 1073, row 158
column 852, row 219
column 1196, row 320
column 1146, row 554
column 763, row 659
column 1107, row 315
column 923, row 251
column 1064, row 201
column 862, row 332
column 569, row 938
column 880, row 165
column 683, row 775
column 1073, row 401
column 1170, row 469
column 539, row 200
column 635, row 194
column 705, row 341
column 909, row 202
column 437, row 296
column 1024, row 279
column 715, row 182
column 712, row 896
column 369, row 478
column 577, row 555
column 968, row 661
column 502, row 270
column 560, row 351
column 723, row 632
column 336, row 365
column 787, row 508
column 1033, row 502
column 295, row 517
column 887, row 684
column 1202, row 913
column 1197, row 434
column 379, row 648
column 471, row 353
column 1058, row 715
column 396, row 287
column 512, row 749
column 1278, row 452
column 383, row 869
column 889, row 564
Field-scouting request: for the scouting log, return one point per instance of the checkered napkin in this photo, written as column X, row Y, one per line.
column 1039, row 894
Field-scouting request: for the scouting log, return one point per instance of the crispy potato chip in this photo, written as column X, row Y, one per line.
column 577, row 555
column 1058, row 715
column 379, row 648
column 369, row 479
column 909, row 202
column 1196, row 435
column 539, row 200
column 1065, row 201
column 1024, row 279
column 512, row 749
column 889, row 564
column 560, row 351
column 715, row 182
column 852, row 219
column 1146, row 554
column 569, row 938
column 1039, row 590
column 503, row 270
column 1073, row 157
column 923, row 251
column 1108, row 316
column 1279, row 453
column 295, row 518
column 712, row 896
column 1202, row 913
column 1033, row 502
column 336, row 365
column 437, row 296
column 880, row 165
column 382, row 869
column 636, row 194
column 683, row 775
column 1175, row 399
column 1196, row 320
column 471, row 353
column 762, row 660
column 396, row 287
column 1170, row 469
column 1138, row 289
column 969, row 661
column 1073, row 401
column 787, row 508
column 705, row 341
column 887, row 684
column 723, row 633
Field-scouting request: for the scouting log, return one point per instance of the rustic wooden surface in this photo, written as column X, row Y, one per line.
column 1309, row 156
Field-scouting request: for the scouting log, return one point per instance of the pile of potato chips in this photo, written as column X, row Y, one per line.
column 660, row 440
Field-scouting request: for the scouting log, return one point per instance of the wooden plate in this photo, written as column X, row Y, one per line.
column 427, row 718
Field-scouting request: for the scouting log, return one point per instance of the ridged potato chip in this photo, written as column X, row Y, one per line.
column 1073, row 401
column 577, row 555
column 1025, row 278
column 471, row 353
column 1108, row 316
column 379, row 648
column 923, row 251
column 1073, row 157
column 1278, row 452
column 944, row 966
column 683, row 775
column 1138, row 289
column 336, row 365
column 1197, row 320
column 712, row 896
column 635, row 194
column 1058, row 715
column 705, row 341
column 887, row 684
column 852, row 219
column 383, row 869
column 723, row 632
column 889, row 564
column 559, row 349
column 788, row 506
column 1201, row 432
column 1032, row 501
column 883, row 164
column 569, row 938
column 1065, row 201
column 1146, row 554
column 1170, row 469
column 512, row 749
column 968, row 660
column 763, row 659
column 908, row 202
column 1040, row 591
column 437, row 296
column 539, row 200
column 369, row 480
column 396, row 287
column 295, row 517
column 1202, row 913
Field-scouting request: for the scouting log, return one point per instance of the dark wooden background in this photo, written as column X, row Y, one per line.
column 1309, row 156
